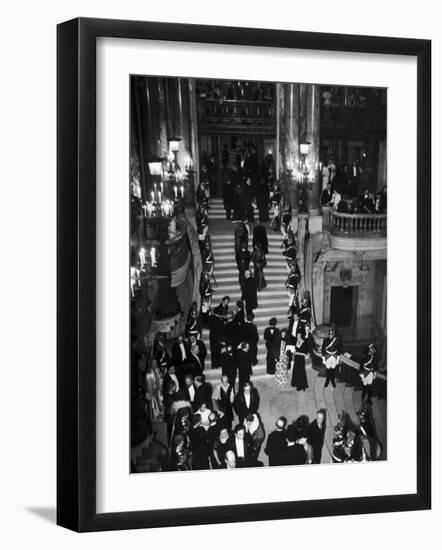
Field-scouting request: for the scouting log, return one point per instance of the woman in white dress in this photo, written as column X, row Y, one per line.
column 282, row 365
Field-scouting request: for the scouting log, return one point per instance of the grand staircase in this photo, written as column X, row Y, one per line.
column 272, row 301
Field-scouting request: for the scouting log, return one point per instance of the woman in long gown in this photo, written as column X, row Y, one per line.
column 281, row 372
column 239, row 204
column 299, row 376
column 259, row 263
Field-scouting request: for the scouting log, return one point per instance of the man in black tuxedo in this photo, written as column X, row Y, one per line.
column 203, row 393
column 272, row 338
column 250, row 292
column 327, row 195
column 294, row 453
column 228, row 365
column 295, row 328
column 249, row 334
column 169, row 377
column 216, row 337
column 187, row 390
column 260, row 237
column 246, row 401
column 243, row 363
column 222, row 309
column 239, row 314
column 228, row 189
column 180, row 352
column 198, row 352
column 276, row 443
column 242, row 446
column 316, row 434
column 242, row 262
column 200, row 445
column 231, row 333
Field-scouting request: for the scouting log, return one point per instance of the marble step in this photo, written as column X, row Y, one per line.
column 278, row 300
column 270, row 291
column 272, row 272
column 234, row 278
column 227, row 255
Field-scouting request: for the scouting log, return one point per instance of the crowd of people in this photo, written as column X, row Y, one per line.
column 341, row 190
column 219, row 426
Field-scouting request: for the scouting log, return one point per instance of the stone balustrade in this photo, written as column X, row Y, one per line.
column 357, row 224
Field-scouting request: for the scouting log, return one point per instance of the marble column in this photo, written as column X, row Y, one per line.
column 155, row 127
column 193, row 135
column 179, row 124
column 309, row 116
column 288, row 132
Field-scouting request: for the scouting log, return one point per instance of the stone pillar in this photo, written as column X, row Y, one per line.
column 288, row 134
column 309, row 107
column 178, row 115
column 179, row 124
column 193, row 135
column 155, row 128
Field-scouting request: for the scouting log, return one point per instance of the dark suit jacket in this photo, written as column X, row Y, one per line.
column 294, row 455
column 167, row 378
column 276, row 447
column 326, row 197
column 203, row 394
column 250, row 293
column 260, row 237
column 240, row 405
column 249, row 333
column 243, row 260
column 315, row 434
column 290, row 339
column 244, row 365
column 228, row 365
column 273, row 341
column 177, row 356
column 239, row 318
column 200, row 447
column 184, row 393
column 248, row 451
column 202, row 353
column 231, row 333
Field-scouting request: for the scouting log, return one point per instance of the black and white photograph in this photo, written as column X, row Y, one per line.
column 258, row 274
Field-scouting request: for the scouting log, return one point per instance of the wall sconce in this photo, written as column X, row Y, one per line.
column 304, row 148
column 174, row 144
column 156, row 166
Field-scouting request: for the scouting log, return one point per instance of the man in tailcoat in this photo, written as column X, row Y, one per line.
column 203, row 393
column 241, row 445
column 272, row 338
column 250, row 292
column 249, row 334
column 228, row 365
column 246, row 402
column 276, row 443
column 260, row 237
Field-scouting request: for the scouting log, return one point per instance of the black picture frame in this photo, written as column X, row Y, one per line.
column 76, row 273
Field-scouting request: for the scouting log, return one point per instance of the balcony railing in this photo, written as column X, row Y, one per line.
column 357, row 224
column 228, row 114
